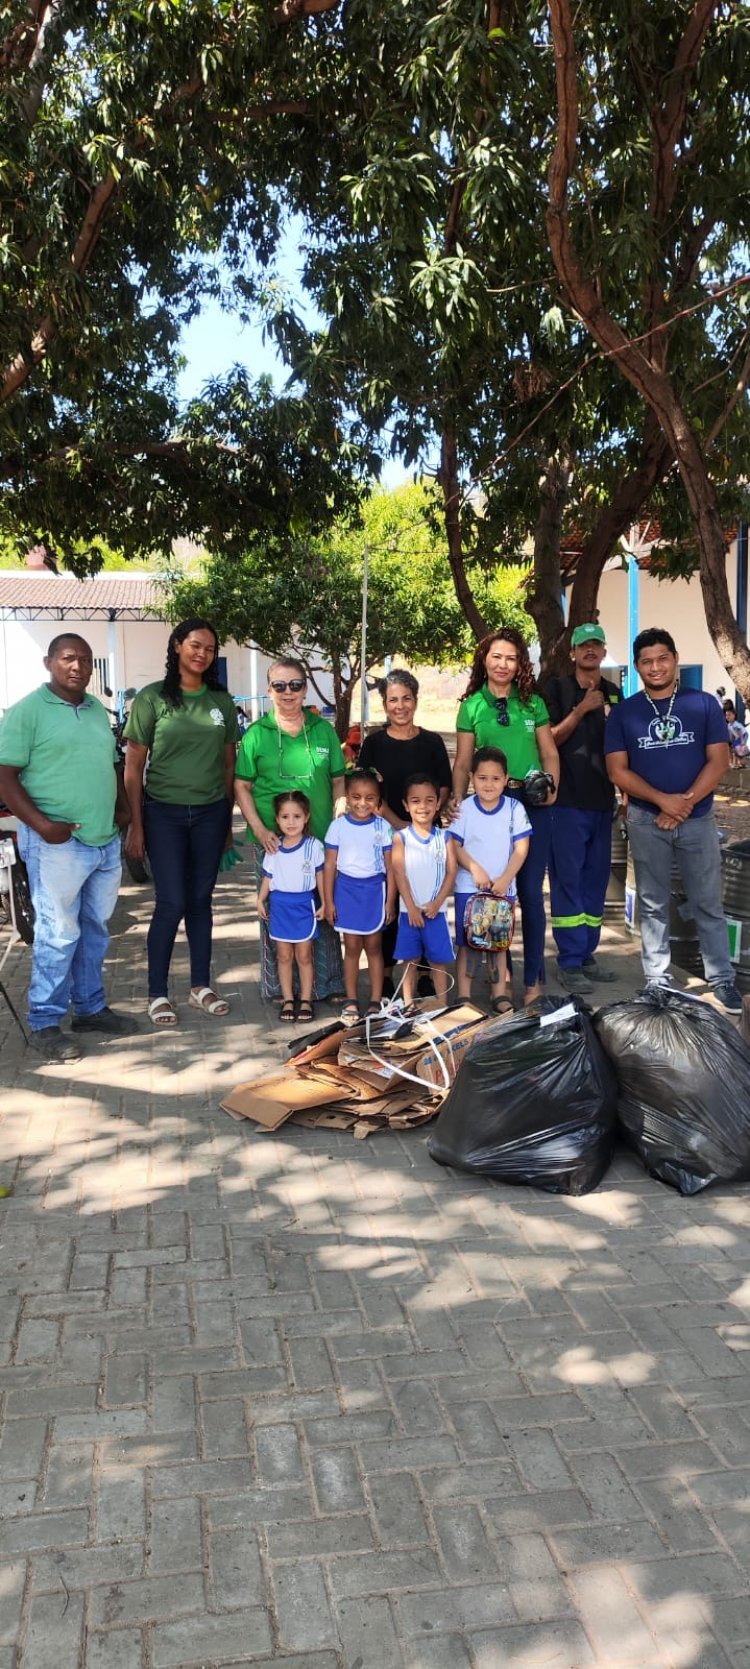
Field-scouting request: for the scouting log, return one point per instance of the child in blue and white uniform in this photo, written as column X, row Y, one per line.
column 491, row 834
column 288, row 901
column 424, row 864
column 358, row 886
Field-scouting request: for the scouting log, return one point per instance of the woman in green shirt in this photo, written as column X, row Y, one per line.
column 291, row 747
column 185, row 728
column 501, row 709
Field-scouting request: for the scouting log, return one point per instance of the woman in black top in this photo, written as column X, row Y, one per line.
column 399, row 751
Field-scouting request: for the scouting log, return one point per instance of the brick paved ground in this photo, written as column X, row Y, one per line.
column 317, row 1403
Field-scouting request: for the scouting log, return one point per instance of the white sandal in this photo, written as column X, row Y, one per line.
column 216, row 1006
column 161, row 1013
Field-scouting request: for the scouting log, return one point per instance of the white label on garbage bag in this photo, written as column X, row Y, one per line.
column 569, row 1012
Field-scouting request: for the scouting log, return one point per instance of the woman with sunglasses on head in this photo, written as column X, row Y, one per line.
column 501, row 709
column 291, row 747
column 185, row 729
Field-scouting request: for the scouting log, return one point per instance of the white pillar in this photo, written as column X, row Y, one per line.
column 112, row 656
column 254, row 692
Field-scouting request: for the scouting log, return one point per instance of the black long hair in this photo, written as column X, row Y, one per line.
column 171, row 689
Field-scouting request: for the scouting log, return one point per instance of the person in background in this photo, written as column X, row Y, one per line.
column 401, row 749
column 739, row 742
column 580, row 860
column 291, row 747
column 667, row 750
column 184, row 730
column 58, row 777
column 502, row 709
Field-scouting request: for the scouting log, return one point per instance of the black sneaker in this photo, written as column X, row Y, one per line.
column 593, row 970
column 55, row 1045
column 105, row 1020
column 729, row 997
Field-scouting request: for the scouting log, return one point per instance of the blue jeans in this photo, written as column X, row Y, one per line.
column 695, row 847
column 530, row 882
column 74, row 891
column 579, row 866
column 184, row 845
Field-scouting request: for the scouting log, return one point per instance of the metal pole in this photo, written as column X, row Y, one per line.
column 363, row 652
column 633, row 601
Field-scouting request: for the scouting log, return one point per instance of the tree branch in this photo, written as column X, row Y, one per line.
column 290, row 10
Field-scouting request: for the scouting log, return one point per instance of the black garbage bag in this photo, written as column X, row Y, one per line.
column 534, row 1101
column 683, row 1073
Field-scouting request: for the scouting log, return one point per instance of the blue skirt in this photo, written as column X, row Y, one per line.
column 360, row 903
column 292, row 917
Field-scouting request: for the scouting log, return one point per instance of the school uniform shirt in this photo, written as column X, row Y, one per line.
column 360, row 846
column 488, row 837
column 293, row 872
column 424, row 865
column 667, row 753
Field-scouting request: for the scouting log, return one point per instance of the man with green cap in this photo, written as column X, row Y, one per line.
column 580, row 857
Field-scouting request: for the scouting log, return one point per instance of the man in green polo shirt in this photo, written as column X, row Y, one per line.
column 57, row 775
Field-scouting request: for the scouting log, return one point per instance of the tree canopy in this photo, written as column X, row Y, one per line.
column 305, row 594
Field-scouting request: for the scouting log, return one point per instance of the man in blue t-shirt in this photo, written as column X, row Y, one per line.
column 667, row 750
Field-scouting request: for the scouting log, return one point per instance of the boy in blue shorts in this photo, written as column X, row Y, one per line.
column 424, row 865
column 492, row 834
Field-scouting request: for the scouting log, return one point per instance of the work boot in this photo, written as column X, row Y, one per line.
column 574, row 979
column 593, row 970
column 54, row 1045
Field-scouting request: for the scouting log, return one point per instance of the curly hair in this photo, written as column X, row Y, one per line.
column 171, row 688
column 524, row 679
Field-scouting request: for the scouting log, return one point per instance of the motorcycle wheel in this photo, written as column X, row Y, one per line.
column 22, row 900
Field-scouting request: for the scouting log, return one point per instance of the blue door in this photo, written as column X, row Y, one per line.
column 221, row 666
column 691, row 677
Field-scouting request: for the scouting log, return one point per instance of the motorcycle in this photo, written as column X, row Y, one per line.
column 16, row 908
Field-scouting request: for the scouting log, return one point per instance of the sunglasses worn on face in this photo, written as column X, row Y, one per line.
column 501, row 708
column 280, row 686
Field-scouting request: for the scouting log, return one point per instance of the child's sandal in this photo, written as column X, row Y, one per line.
column 305, row 1011
column 286, row 1014
column 350, row 1014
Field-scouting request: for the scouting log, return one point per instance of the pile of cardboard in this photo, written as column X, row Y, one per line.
column 385, row 1074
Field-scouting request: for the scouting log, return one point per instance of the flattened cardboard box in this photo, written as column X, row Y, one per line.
column 271, row 1101
column 320, row 1081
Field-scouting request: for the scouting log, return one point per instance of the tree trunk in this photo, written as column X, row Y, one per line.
column 545, row 601
column 448, row 477
column 629, row 358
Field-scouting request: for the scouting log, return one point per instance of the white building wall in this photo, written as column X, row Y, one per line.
column 676, row 605
column 140, row 648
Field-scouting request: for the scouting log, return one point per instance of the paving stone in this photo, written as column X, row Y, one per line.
column 54, row 1632
column 175, row 1540
column 119, row 1649
column 367, row 1634
column 301, row 1606
column 322, row 1404
column 12, row 1582
column 213, row 1639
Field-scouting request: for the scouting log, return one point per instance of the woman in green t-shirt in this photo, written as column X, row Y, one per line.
column 501, row 709
column 291, row 747
column 185, row 728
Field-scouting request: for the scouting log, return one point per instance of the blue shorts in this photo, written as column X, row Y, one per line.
column 430, row 943
column 360, row 902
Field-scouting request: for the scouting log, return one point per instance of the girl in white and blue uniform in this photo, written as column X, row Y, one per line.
column 288, row 901
column 358, row 885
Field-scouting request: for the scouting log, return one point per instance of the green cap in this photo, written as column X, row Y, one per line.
column 587, row 634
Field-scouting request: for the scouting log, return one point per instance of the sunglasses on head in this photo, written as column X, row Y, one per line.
column 501, row 709
column 281, row 685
